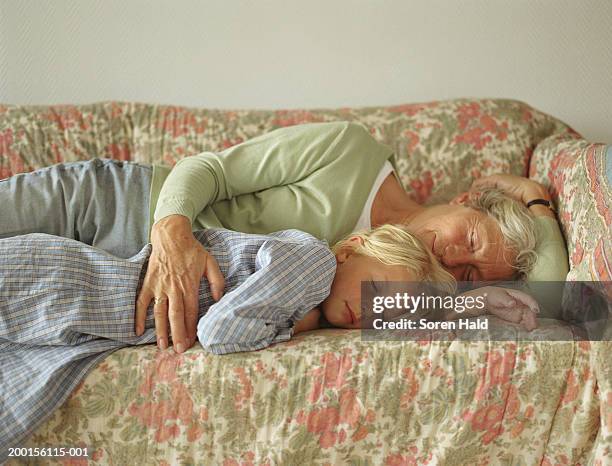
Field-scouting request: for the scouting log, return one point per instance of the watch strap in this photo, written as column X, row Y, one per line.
column 540, row 202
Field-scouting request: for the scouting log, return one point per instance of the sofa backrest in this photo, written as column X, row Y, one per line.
column 440, row 147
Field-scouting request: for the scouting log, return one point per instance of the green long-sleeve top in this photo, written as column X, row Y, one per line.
column 314, row 177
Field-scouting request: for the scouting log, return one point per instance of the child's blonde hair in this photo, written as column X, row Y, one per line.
column 395, row 245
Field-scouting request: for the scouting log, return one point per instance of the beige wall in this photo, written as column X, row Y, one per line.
column 554, row 54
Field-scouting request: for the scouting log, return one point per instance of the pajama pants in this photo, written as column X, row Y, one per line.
column 100, row 202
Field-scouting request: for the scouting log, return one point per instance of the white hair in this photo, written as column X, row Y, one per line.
column 515, row 222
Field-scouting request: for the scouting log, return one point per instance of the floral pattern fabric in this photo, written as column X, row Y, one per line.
column 576, row 173
column 327, row 397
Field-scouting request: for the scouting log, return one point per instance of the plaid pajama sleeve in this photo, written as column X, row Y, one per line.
column 290, row 279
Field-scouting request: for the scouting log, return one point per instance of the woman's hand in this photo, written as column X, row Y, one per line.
column 507, row 304
column 520, row 188
column 176, row 266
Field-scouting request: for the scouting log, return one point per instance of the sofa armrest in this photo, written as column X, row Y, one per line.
column 574, row 170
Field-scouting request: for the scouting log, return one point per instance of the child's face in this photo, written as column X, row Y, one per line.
column 342, row 308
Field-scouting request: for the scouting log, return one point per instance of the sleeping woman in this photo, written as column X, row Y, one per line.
column 328, row 179
column 65, row 305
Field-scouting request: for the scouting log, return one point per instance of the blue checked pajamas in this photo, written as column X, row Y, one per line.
column 66, row 305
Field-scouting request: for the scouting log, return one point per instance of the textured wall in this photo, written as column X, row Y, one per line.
column 554, row 54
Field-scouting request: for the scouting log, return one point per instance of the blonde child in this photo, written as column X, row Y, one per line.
column 392, row 253
column 65, row 305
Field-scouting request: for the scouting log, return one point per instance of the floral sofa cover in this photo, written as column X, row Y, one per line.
column 327, row 397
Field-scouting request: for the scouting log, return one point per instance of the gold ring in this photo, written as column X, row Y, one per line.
column 157, row 301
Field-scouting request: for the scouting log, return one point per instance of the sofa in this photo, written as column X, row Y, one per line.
column 328, row 396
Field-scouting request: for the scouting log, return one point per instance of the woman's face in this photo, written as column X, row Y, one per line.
column 342, row 308
column 468, row 243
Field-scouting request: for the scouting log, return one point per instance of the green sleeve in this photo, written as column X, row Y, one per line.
column 281, row 157
column 552, row 263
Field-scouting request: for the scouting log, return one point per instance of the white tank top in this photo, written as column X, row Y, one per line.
column 364, row 221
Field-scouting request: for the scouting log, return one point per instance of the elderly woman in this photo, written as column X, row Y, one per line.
column 327, row 179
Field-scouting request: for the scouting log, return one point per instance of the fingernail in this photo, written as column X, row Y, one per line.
column 162, row 343
column 180, row 348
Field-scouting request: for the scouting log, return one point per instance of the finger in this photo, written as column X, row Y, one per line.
column 485, row 181
column 514, row 315
column 142, row 304
column 191, row 301
column 510, row 302
column 176, row 315
column 160, row 311
column 526, row 299
column 500, row 300
column 215, row 277
column 529, row 320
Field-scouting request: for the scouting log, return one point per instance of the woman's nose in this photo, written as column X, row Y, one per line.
column 455, row 255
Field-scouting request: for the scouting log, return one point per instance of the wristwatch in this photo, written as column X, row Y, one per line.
column 541, row 202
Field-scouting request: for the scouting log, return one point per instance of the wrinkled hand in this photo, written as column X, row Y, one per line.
column 510, row 305
column 520, row 188
column 176, row 266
